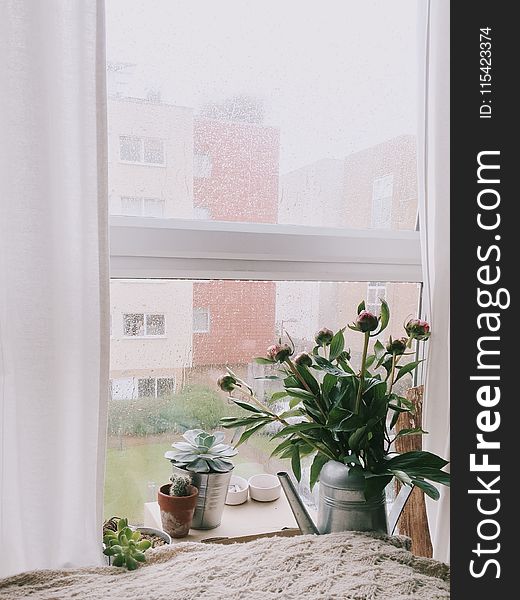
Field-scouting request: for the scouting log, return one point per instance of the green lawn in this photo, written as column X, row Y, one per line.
column 129, row 470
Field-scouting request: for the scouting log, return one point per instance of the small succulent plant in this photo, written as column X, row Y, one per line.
column 125, row 546
column 180, row 485
column 202, row 452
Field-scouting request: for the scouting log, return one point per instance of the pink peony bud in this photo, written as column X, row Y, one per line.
column 324, row 337
column 417, row 329
column 279, row 352
column 366, row 321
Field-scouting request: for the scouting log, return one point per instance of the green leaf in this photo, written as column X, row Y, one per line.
column 427, row 488
column 294, row 412
column 385, row 315
column 118, row 561
column 278, row 395
column 375, row 485
column 399, row 409
column 407, row 368
column 356, row 438
column 296, row 428
column 415, row 459
column 246, row 405
column 322, row 364
column 144, row 545
column 296, row 463
column 281, row 447
column 268, row 378
column 411, row 431
column 379, row 350
column 337, row 345
column 361, row 307
column 370, row 360
column 294, row 402
column 329, row 381
column 432, row 474
column 317, row 465
column 264, row 361
column 249, row 432
column 309, row 379
column 229, row 422
column 299, row 393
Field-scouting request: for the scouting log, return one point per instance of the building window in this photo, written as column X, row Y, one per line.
column 136, row 206
column 143, row 325
column 146, row 151
column 200, row 320
column 151, row 387
column 201, row 212
column 376, row 291
column 382, row 194
column 202, row 166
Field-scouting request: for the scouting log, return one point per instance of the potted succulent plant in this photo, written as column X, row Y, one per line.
column 124, row 546
column 205, row 458
column 345, row 418
column 177, row 502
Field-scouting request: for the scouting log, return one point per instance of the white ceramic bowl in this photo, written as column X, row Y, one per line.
column 239, row 494
column 264, row 487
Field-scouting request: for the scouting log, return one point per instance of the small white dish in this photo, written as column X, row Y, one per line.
column 237, row 490
column 264, row 487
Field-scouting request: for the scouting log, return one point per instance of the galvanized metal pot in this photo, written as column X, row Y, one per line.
column 342, row 505
column 213, row 488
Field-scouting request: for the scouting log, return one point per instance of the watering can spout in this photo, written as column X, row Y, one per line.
column 304, row 520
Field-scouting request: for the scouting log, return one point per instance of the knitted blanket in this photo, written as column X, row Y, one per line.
column 342, row 565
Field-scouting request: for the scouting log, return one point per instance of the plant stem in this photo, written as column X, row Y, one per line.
column 362, row 373
column 298, row 376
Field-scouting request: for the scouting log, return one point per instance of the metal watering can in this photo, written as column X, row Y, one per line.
column 342, row 505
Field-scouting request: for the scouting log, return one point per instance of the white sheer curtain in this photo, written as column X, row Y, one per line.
column 434, row 219
column 53, row 283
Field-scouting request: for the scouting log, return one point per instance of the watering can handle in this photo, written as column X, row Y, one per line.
column 398, row 507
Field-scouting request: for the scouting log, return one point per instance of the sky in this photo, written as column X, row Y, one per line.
column 335, row 76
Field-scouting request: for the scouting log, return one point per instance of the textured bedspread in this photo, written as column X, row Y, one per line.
column 341, row 565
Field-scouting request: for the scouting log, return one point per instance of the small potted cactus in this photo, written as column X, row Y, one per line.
column 177, row 502
column 207, row 460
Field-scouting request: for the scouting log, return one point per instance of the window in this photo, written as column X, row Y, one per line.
column 376, row 291
column 143, row 325
column 382, row 196
column 141, row 207
column 202, row 165
column 277, row 217
column 200, row 320
column 149, row 151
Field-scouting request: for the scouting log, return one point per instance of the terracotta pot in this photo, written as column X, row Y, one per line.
column 177, row 511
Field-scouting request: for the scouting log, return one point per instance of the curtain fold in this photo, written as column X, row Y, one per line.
column 54, row 305
column 434, row 222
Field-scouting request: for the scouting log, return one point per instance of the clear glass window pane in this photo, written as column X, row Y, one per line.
column 130, row 148
column 270, row 128
column 153, row 151
column 200, row 320
column 132, row 207
column 133, row 324
column 153, row 207
column 146, row 388
column 202, row 165
column 163, row 386
column 154, row 324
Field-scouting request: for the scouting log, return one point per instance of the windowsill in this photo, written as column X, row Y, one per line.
column 250, row 518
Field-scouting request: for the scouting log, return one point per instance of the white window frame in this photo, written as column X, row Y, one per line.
column 145, row 335
column 208, row 313
column 141, row 140
column 150, row 247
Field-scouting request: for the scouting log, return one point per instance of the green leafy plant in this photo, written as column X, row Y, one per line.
column 125, row 546
column 202, row 452
column 336, row 412
column 180, row 485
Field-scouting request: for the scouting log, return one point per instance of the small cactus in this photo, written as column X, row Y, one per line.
column 180, row 485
